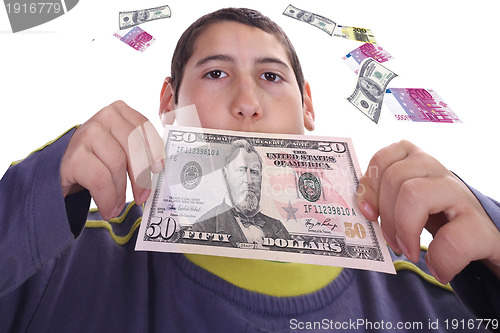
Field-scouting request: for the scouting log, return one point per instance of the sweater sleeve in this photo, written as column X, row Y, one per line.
column 36, row 221
column 476, row 285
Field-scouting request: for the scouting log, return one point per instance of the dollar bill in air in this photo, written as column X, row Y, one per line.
column 315, row 20
column 368, row 95
column 128, row 19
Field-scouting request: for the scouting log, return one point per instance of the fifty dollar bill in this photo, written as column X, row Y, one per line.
column 306, row 213
column 132, row 18
column 368, row 95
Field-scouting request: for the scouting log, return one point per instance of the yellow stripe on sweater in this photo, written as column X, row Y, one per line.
column 116, row 220
column 45, row 145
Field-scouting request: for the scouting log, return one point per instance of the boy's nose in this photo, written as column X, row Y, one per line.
column 246, row 102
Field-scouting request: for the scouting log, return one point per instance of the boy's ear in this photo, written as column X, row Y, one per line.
column 167, row 103
column 307, row 107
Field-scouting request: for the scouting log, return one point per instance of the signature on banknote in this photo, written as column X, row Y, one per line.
column 319, row 226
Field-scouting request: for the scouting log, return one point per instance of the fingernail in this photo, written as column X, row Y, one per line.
column 367, row 209
column 144, row 196
column 431, row 269
column 109, row 216
column 114, row 213
column 118, row 210
column 403, row 247
column 158, row 166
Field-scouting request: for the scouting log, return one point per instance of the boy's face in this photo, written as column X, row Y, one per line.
column 240, row 78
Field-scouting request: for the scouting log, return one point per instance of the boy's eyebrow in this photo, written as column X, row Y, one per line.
column 228, row 58
column 221, row 57
column 272, row 60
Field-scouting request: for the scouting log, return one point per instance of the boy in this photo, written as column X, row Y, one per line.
column 242, row 73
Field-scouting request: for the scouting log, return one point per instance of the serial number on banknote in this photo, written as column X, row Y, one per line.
column 197, row 151
column 329, row 210
column 405, row 117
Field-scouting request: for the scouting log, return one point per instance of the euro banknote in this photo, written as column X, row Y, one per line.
column 368, row 95
column 355, row 33
column 287, row 198
column 354, row 58
column 136, row 38
column 419, row 105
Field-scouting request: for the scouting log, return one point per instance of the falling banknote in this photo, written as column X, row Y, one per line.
column 329, row 26
column 136, row 38
column 354, row 58
column 316, row 20
column 288, row 198
column 419, row 105
column 354, row 33
column 373, row 79
column 136, row 17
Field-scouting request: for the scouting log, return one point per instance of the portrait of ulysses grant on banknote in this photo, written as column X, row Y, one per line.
column 239, row 214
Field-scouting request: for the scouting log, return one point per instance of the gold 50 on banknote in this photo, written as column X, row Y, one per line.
column 262, row 196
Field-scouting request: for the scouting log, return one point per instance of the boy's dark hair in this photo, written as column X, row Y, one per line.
column 184, row 49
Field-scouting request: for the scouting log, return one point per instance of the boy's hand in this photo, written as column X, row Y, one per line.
column 113, row 142
column 411, row 190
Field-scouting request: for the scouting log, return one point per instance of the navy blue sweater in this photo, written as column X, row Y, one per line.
column 58, row 276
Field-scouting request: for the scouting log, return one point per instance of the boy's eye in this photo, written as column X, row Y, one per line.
column 269, row 76
column 216, row 74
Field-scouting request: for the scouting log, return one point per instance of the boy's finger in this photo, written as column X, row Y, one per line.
column 139, row 170
column 396, row 176
column 96, row 177
column 111, row 154
column 417, row 200
column 146, row 154
column 143, row 145
column 455, row 245
column 139, row 127
column 367, row 199
column 369, row 185
column 154, row 147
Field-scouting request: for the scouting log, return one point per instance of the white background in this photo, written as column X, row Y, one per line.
column 60, row 73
